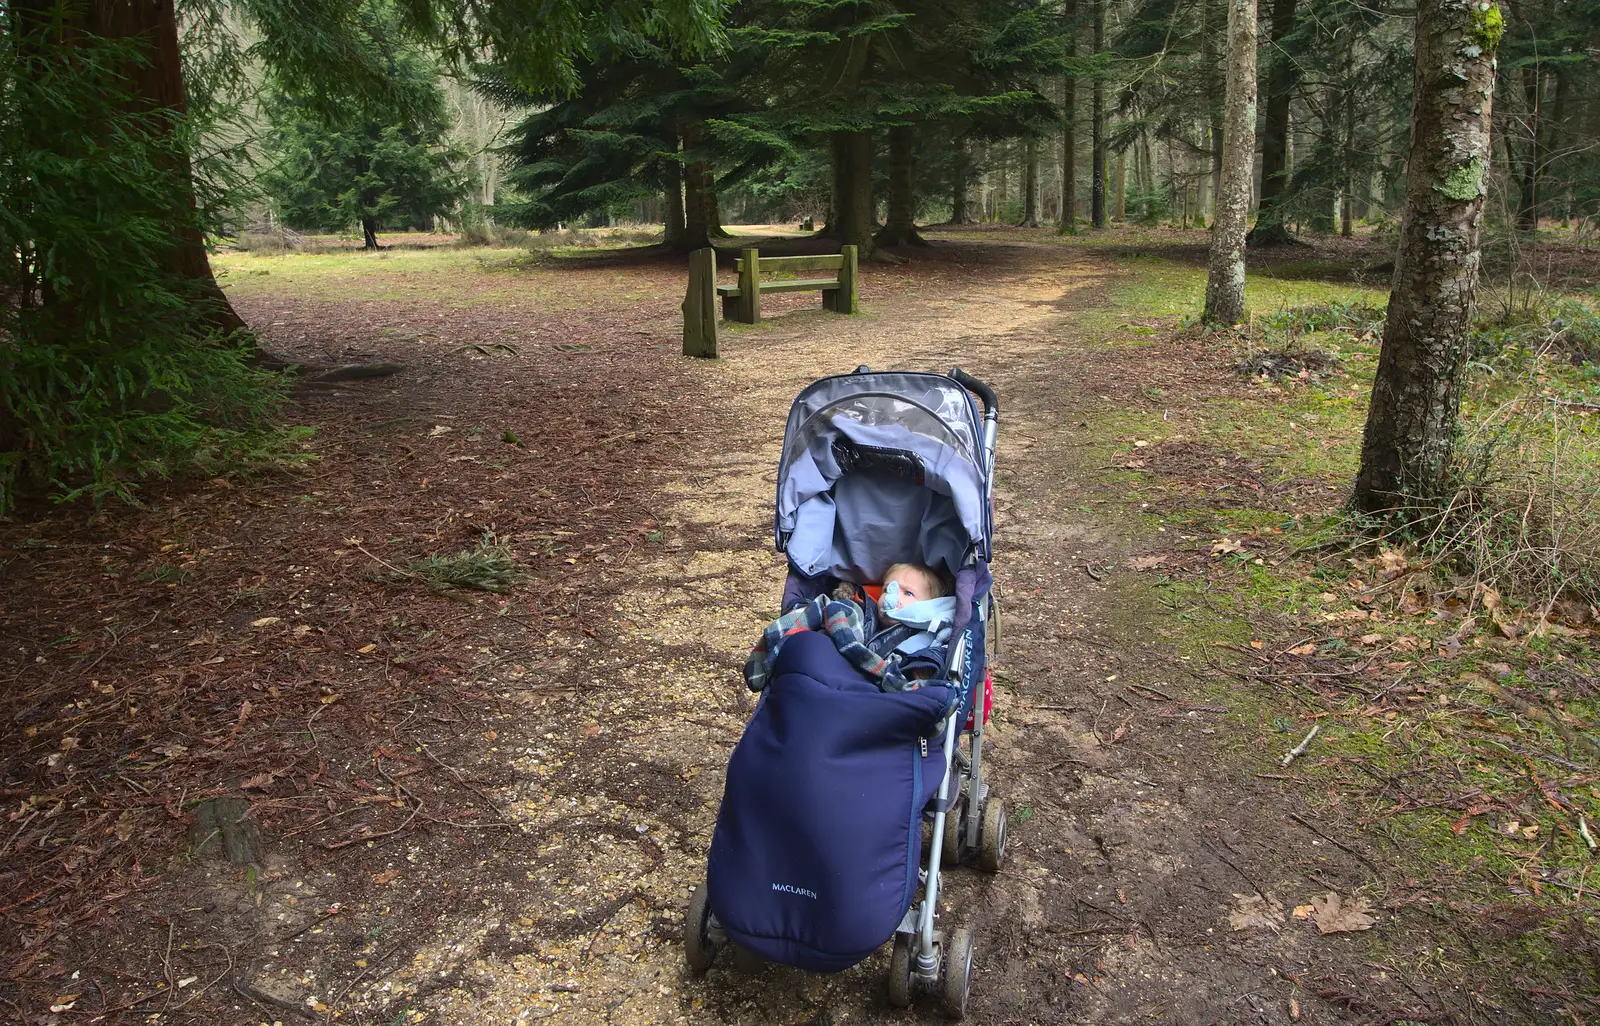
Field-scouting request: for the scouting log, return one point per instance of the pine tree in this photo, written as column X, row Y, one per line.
column 376, row 166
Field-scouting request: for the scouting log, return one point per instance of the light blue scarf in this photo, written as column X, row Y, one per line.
column 933, row 615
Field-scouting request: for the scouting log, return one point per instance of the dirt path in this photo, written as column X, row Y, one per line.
column 601, row 739
column 1114, row 905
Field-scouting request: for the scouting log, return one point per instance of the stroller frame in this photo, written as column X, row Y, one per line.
column 925, row 958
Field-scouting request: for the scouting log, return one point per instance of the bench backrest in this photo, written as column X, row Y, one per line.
column 824, row 262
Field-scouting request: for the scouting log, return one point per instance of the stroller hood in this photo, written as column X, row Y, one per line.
column 816, row 849
column 880, row 468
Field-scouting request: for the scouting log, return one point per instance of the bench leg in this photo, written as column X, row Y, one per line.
column 730, row 308
column 830, row 300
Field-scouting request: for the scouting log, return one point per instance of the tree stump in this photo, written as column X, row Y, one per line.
column 224, row 826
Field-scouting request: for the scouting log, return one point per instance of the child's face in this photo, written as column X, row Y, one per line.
column 915, row 585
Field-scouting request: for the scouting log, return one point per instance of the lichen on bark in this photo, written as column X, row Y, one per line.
column 1465, row 182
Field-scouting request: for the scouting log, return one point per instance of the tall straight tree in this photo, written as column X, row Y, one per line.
column 1069, row 121
column 1030, row 184
column 1225, row 278
column 1282, row 75
column 1097, row 153
column 1406, row 450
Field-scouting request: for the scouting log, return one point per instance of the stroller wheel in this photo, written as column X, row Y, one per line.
column 950, row 853
column 697, row 947
column 992, row 835
column 957, row 974
column 900, row 972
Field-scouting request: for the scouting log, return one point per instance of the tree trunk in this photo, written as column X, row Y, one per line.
column 1069, row 134
column 852, row 190
column 1122, row 188
column 901, row 228
column 1281, row 80
column 714, row 227
column 1003, row 187
column 672, row 194
column 1407, row 448
column 696, row 193
column 1097, row 156
column 1030, row 185
column 1347, row 202
column 158, row 85
column 958, row 191
column 1528, row 204
column 369, row 232
column 1225, row 277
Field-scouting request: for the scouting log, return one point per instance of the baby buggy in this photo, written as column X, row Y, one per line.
column 816, row 858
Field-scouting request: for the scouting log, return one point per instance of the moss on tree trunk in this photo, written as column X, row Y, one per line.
column 1406, row 450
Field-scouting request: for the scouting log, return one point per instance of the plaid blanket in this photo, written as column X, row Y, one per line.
column 841, row 618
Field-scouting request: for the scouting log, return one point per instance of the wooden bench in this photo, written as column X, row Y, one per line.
column 742, row 302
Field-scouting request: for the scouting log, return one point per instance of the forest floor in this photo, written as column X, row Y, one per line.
column 482, row 808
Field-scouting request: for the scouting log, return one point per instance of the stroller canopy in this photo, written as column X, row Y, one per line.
column 882, row 468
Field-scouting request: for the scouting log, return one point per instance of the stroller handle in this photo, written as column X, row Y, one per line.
column 991, row 405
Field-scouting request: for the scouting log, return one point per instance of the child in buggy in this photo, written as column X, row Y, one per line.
column 909, row 619
column 816, row 858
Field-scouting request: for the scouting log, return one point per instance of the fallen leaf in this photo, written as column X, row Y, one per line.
column 1225, row 546
column 266, row 621
column 1333, row 915
column 1370, row 639
column 261, row 781
column 440, row 429
column 1304, row 911
column 364, row 649
column 1294, row 1008
column 1258, row 644
column 386, row 877
column 489, row 735
column 1346, row 616
column 1146, row 562
column 1253, row 912
column 1303, row 650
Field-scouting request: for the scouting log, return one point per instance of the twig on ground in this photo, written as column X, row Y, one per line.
column 261, row 997
column 1338, row 844
column 1300, row 749
column 116, row 639
column 1154, row 691
column 403, row 573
